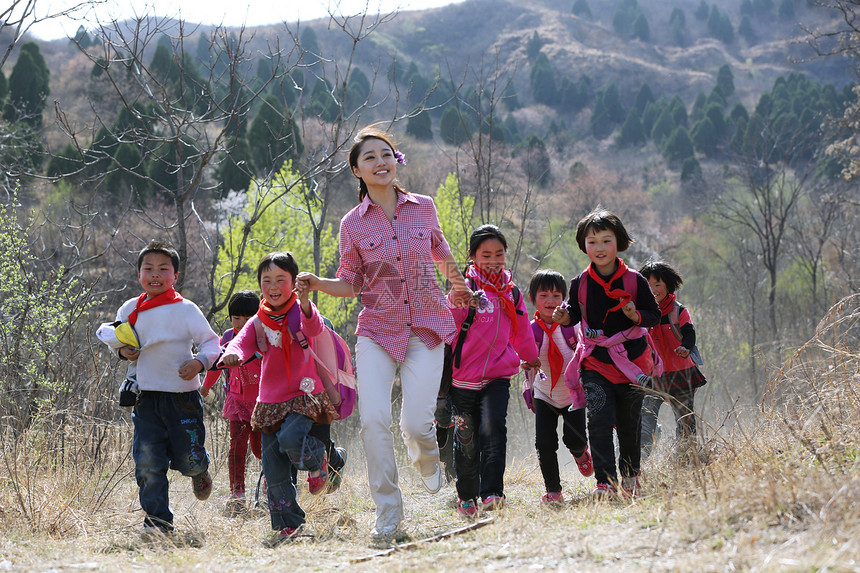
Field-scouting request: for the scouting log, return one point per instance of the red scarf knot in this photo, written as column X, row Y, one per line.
column 619, row 294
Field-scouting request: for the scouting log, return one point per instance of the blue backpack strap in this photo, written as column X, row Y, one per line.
column 294, row 323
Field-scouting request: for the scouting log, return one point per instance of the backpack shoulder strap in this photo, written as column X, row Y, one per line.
column 631, row 283
column 227, row 336
column 675, row 320
column 570, row 335
column 582, row 293
column 464, row 328
column 538, row 332
column 517, row 296
column 294, row 323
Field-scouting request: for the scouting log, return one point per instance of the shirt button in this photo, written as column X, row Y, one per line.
column 398, row 258
column 395, row 216
column 394, row 237
column 403, row 280
column 408, row 324
column 405, row 302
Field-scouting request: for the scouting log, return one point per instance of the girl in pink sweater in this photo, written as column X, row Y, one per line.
column 292, row 397
column 485, row 358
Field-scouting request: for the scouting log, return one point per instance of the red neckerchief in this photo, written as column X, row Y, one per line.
column 500, row 284
column 619, row 294
column 265, row 314
column 143, row 303
column 556, row 359
column 666, row 304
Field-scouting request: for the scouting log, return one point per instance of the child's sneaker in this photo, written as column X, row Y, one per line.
column 335, row 473
column 552, row 498
column 202, row 485
column 466, row 508
column 317, row 484
column 492, row 502
column 584, row 463
column 630, row 486
column 283, row 536
column 235, row 506
column 604, row 491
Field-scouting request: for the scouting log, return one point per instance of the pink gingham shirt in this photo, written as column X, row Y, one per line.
column 392, row 261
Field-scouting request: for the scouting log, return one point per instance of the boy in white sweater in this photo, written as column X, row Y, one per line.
column 168, row 418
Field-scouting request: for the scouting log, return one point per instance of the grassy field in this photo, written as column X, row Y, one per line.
column 777, row 489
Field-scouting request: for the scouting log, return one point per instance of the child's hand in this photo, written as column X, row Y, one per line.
column 130, row 353
column 190, row 369
column 682, row 352
column 307, row 281
column 631, row 312
column 302, row 291
column 230, row 360
column 529, row 365
column 204, row 391
column 560, row 315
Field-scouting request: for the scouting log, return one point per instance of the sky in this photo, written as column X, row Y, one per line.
column 228, row 12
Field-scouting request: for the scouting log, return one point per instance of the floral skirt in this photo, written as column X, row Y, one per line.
column 267, row 417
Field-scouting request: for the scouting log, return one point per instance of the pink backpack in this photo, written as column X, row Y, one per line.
column 330, row 352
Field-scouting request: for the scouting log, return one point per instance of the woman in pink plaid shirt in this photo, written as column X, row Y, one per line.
column 388, row 245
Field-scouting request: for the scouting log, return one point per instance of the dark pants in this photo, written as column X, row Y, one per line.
column 480, row 438
column 546, row 439
column 682, row 407
column 613, row 406
column 322, row 432
column 292, row 445
column 168, row 434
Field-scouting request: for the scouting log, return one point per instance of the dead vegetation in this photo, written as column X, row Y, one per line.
column 774, row 487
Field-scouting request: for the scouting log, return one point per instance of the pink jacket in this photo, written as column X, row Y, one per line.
column 275, row 387
column 491, row 350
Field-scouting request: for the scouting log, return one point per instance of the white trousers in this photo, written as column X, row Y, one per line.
column 420, row 375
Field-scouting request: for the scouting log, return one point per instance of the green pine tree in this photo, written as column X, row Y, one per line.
column 420, row 126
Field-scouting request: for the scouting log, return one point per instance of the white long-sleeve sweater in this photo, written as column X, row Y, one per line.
column 168, row 335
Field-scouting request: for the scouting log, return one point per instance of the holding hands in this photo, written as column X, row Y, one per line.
column 561, row 315
column 682, row 352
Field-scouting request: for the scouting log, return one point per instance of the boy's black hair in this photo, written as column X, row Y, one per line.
column 161, row 248
column 547, row 279
column 662, row 272
column 282, row 260
column 600, row 220
column 483, row 233
column 243, row 303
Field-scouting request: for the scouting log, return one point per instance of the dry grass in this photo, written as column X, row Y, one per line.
column 779, row 492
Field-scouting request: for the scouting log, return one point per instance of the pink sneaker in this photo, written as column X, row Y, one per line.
column 283, row 536
column 604, row 491
column 584, row 463
column 552, row 497
column 466, row 508
column 318, row 483
column 492, row 502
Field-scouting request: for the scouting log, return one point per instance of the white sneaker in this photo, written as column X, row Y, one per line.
column 433, row 483
column 385, row 535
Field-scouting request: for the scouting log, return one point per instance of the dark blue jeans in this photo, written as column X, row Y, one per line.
column 546, row 438
column 168, row 434
column 613, row 406
column 682, row 407
column 291, row 445
column 480, row 438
